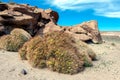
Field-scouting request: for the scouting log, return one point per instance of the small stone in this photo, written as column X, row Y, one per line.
column 24, row 72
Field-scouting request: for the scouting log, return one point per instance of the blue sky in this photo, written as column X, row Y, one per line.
column 71, row 12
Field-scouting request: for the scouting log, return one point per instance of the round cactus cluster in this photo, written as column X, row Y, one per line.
column 14, row 40
column 57, row 51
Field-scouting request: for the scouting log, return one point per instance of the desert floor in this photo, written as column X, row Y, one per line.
column 107, row 67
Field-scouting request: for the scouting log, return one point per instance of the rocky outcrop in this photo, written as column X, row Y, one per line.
column 86, row 31
column 37, row 21
column 25, row 16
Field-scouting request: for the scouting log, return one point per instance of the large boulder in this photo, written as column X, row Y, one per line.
column 92, row 30
column 85, row 31
column 49, row 27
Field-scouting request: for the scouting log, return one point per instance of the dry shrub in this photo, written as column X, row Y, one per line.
column 15, row 40
column 62, row 53
column 4, row 41
column 28, row 47
column 20, row 33
column 57, row 51
column 22, row 51
column 88, row 53
column 33, row 50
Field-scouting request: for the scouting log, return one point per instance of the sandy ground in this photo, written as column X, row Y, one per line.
column 107, row 67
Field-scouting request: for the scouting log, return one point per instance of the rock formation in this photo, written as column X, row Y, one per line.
column 37, row 21
column 24, row 16
column 85, row 31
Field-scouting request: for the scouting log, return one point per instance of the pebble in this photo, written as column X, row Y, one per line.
column 24, row 72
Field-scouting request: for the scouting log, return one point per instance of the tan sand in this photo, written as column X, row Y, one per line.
column 106, row 68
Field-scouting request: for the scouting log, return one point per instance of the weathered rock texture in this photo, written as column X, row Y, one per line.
column 37, row 21
column 24, row 16
column 85, row 31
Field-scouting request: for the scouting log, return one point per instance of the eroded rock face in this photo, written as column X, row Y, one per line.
column 91, row 30
column 85, row 31
column 37, row 21
column 25, row 16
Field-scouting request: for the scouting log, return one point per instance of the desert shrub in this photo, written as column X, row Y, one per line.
column 36, row 52
column 4, row 40
column 83, row 47
column 23, row 51
column 33, row 50
column 62, row 53
column 20, row 33
column 113, row 44
column 64, row 61
column 87, row 52
column 57, row 51
column 28, row 47
column 87, row 61
column 10, row 43
column 15, row 40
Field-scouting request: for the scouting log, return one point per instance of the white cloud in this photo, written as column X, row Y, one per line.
column 112, row 14
column 107, row 8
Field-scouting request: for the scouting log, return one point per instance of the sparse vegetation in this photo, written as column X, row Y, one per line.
column 15, row 40
column 113, row 44
column 57, row 51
